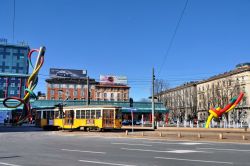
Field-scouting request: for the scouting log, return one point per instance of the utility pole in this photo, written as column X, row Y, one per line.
column 153, row 101
column 87, row 102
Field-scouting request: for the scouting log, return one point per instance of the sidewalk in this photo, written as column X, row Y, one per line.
column 178, row 135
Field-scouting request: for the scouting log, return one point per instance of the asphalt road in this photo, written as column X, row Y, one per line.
column 38, row 148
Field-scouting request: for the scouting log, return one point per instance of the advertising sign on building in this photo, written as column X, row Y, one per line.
column 67, row 73
column 109, row 79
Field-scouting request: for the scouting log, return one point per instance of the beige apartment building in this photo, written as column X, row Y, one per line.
column 193, row 100
column 218, row 90
column 181, row 101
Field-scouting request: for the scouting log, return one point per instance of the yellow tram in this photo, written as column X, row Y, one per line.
column 80, row 117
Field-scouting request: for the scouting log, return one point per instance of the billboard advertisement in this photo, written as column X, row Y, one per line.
column 67, row 73
column 109, row 79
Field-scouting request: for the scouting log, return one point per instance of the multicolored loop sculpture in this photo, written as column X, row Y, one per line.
column 218, row 112
column 29, row 87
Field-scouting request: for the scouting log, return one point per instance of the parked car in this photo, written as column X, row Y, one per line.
column 126, row 122
column 129, row 122
column 138, row 122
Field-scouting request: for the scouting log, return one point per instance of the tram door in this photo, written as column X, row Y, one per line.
column 69, row 117
column 108, row 118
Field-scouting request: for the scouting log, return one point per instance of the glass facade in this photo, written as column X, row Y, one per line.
column 14, row 68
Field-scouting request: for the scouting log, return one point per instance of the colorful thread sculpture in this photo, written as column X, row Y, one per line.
column 216, row 113
column 30, row 86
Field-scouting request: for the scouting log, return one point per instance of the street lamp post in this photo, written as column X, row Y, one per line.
column 153, row 102
column 60, row 105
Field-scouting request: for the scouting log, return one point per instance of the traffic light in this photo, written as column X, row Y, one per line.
column 60, row 108
column 131, row 102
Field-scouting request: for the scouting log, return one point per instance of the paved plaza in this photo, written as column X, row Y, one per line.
column 33, row 147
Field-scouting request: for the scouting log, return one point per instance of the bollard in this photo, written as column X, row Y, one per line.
column 199, row 135
column 142, row 134
column 126, row 132
column 243, row 137
column 160, row 134
column 179, row 135
column 220, row 136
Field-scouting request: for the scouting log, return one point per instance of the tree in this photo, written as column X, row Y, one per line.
column 160, row 86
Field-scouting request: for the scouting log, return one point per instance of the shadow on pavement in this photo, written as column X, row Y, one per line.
column 19, row 129
column 9, row 157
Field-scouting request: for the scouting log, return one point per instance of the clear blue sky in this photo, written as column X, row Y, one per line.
column 129, row 37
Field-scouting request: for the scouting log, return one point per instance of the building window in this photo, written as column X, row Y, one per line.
column 112, row 95
column 118, row 96
column 98, row 94
column 105, row 95
column 12, row 84
column 12, row 92
column 60, row 92
column 23, row 51
column 52, row 92
column 125, row 96
column 14, row 50
column 75, row 93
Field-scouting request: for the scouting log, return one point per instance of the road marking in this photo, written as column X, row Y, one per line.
column 191, row 143
column 203, row 161
column 176, row 143
column 130, row 144
column 186, row 151
column 104, row 163
column 70, row 150
column 8, row 164
column 238, row 150
column 163, row 151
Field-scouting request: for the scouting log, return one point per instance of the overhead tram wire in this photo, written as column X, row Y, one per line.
column 173, row 37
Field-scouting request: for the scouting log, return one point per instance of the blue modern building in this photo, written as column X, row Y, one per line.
column 14, row 69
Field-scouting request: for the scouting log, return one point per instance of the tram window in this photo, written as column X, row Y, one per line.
column 68, row 114
column 98, row 114
column 72, row 113
column 78, row 114
column 83, row 114
column 48, row 114
column 44, row 114
column 56, row 114
column 92, row 114
column 118, row 113
column 87, row 114
column 51, row 114
column 38, row 114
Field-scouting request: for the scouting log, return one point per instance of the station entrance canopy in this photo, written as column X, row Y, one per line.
column 141, row 107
